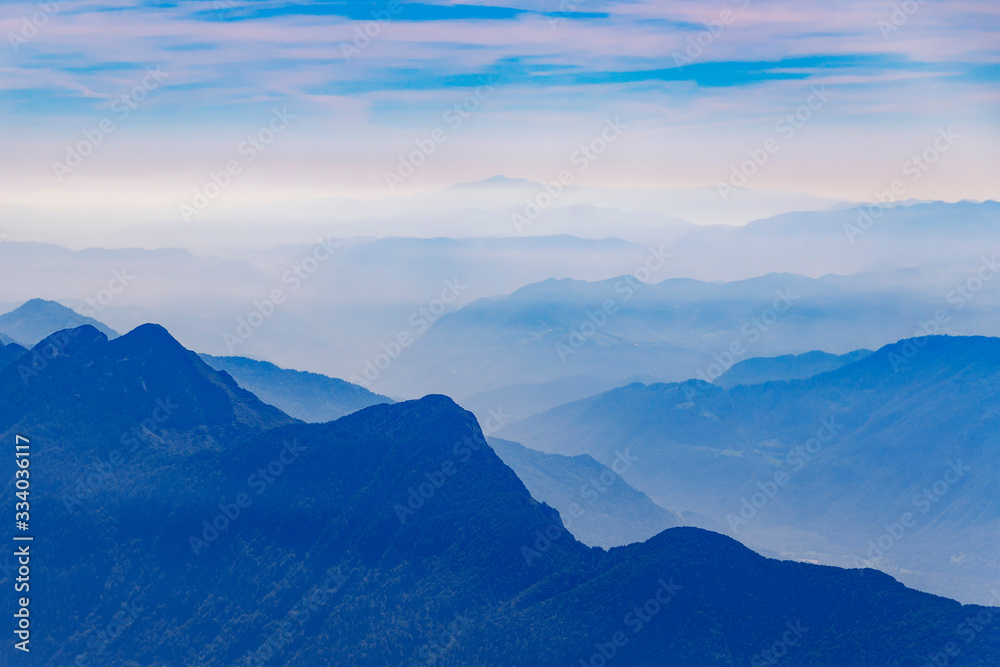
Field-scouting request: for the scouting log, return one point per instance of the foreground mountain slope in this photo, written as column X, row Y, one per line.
column 36, row 319
column 837, row 458
column 394, row 535
column 310, row 397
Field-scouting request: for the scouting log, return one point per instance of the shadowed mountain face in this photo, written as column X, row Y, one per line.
column 787, row 367
column 10, row 352
column 38, row 318
column 828, row 468
column 310, row 397
column 394, row 535
column 595, row 504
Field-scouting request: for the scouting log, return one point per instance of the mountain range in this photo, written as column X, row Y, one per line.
column 307, row 396
column 826, row 468
column 787, row 367
column 344, row 314
column 230, row 533
column 594, row 503
column 623, row 330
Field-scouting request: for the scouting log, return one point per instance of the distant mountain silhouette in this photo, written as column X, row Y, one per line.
column 393, row 535
column 786, row 367
column 880, row 432
column 310, row 397
column 672, row 330
column 594, row 502
column 36, row 319
column 523, row 400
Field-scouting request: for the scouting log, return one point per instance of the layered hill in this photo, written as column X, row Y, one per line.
column 623, row 329
column 786, row 367
column 394, row 535
column 311, row 397
column 908, row 432
column 36, row 319
column 595, row 504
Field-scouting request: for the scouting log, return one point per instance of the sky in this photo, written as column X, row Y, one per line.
column 141, row 111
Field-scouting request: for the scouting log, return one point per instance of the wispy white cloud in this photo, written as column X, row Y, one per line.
column 561, row 67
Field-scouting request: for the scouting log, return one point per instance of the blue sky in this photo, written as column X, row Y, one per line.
column 699, row 84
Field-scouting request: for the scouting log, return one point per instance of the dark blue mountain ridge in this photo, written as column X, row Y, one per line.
column 78, row 379
column 220, row 545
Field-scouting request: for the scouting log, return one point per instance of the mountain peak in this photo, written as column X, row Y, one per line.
column 36, row 319
column 494, row 182
column 69, row 341
column 36, row 305
column 79, row 372
column 153, row 333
